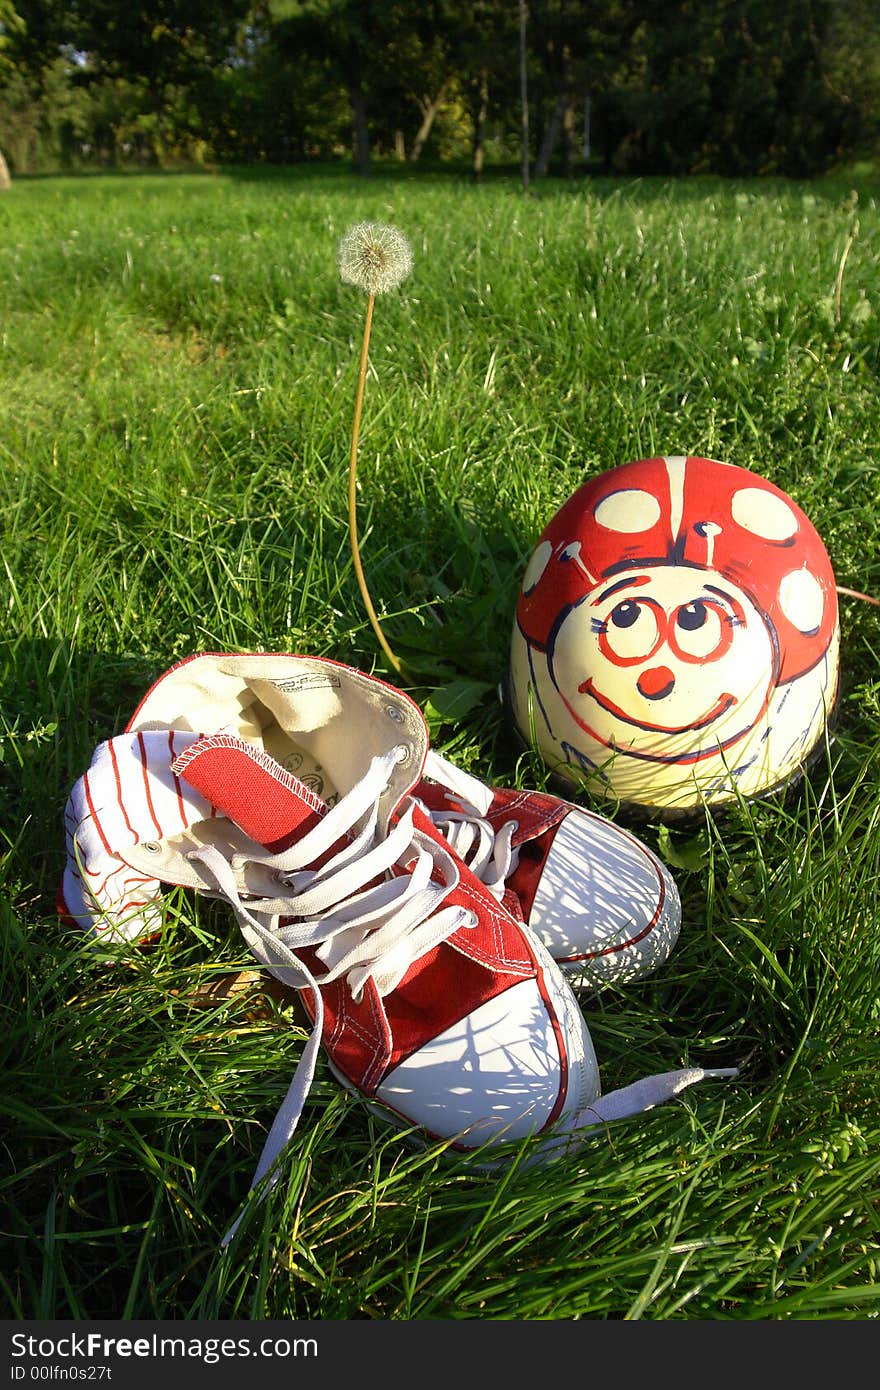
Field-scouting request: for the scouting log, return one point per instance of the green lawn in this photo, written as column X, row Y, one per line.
column 178, row 361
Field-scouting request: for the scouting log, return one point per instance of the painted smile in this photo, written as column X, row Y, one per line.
column 723, row 703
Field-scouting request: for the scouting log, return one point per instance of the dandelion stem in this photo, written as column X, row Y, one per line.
column 352, row 492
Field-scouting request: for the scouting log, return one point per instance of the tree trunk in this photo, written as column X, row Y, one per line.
column 480, row 115
column 551, row 136
column 524, row 96
column 561, row 121
column 430, row 107
column 5, row 180
column 568, row 141
column 360, row 130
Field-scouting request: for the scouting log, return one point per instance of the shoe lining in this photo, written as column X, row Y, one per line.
column 321, row 722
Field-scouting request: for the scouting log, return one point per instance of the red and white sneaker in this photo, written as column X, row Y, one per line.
column 430, row 998
column 604, row 906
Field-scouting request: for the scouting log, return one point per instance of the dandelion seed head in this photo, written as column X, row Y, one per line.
column 375, row 257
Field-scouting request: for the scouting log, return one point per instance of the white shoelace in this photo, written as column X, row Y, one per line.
column 487, row 853
column 362, row 928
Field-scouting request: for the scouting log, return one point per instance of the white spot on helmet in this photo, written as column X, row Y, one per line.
column 763, row 514
column 628, row 511
column 536, row 566
column 802, row 600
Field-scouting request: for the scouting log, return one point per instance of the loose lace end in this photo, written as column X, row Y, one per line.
column 645, row 1094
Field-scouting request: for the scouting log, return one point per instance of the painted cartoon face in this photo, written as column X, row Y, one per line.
column 676, row 633
column 679, row 660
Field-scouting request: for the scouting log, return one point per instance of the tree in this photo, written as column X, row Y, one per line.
column 423, row 56
column 166, row 42
column 524, row 91
column 672, row 86
column 484, row 46
column 348, row 38
column 850, row 50
column 11, row 24
column 166, row 46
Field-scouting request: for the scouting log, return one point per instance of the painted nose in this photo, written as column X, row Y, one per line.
column 656, row 682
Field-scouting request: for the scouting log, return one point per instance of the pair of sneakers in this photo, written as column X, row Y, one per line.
column 433, row 926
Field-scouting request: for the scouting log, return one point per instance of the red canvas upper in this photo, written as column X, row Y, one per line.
column 367, row 1038
column 538, row 816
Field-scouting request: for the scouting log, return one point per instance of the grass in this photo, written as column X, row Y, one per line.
column 178, row 360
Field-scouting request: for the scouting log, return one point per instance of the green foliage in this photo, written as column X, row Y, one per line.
column 733, row 88
column 179, row 361
column 652, row 86
column 11, row 24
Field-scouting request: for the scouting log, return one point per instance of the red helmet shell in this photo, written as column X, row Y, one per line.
column 697, row 513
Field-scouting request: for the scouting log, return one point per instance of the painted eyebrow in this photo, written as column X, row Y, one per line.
column 637, row 580
column 736, row 607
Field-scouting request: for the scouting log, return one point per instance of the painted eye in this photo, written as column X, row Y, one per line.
column 691, row 616
column 625, row 614
column 631, row 632
column 702, row 630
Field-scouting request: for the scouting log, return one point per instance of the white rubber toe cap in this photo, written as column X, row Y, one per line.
column 606, row 908
column 503, row 1072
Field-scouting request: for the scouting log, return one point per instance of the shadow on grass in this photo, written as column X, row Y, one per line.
column 59, row 701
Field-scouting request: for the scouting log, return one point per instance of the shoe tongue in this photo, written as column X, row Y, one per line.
column 249, row 787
